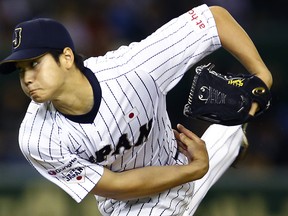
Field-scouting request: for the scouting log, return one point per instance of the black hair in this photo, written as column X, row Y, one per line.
column 78, row 59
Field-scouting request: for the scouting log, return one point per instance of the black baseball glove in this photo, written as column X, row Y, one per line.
column 225, row 99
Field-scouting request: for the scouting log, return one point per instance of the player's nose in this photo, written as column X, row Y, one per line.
column 27, row 76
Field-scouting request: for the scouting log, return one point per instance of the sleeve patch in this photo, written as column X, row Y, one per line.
column 69, row 173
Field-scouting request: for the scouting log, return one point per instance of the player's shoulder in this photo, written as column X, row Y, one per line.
column 110, row 59
column 39, row 110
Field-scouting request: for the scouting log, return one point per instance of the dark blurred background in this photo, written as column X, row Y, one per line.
column 98, row 26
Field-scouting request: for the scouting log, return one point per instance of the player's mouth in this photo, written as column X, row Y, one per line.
column 33, row 92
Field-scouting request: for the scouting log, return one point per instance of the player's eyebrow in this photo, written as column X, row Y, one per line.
column 27, row 62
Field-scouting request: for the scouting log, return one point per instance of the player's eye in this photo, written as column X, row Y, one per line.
column 34, row 64
column 30, row 65
column 20, row 70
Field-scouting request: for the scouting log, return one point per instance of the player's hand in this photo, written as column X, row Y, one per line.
column 192, row 146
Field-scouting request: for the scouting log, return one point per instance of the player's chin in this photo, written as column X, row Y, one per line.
column 38, row 99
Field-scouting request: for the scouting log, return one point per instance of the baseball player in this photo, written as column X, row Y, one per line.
column 100, row 126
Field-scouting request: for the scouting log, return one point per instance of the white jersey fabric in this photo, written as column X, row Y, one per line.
column 128, row 126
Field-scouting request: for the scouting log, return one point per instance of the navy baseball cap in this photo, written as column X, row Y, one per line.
column 34, row 38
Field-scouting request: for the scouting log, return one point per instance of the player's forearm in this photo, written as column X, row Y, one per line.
column 147, row 181
column 236, row 41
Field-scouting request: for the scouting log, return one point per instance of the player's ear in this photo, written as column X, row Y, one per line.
column 67, row 58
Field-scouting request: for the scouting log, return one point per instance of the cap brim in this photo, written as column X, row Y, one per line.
column 8, row 64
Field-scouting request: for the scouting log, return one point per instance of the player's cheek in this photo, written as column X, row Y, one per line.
column 24, row 88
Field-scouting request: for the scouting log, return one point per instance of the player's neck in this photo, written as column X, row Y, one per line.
column 77, row 98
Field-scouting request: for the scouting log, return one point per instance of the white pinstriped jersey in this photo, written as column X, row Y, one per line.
column 128, row 126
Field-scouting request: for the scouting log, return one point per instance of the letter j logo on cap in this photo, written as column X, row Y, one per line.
column 17, row 41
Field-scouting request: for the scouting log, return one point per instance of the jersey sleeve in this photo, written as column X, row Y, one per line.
column 41, row 146
column 178, row 45
column 167, row 53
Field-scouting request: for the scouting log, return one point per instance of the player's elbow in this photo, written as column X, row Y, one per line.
column 218, row 11
column 220, row 14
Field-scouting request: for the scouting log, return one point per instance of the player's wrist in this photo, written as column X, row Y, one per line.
column 266, row 78
column 197, row 169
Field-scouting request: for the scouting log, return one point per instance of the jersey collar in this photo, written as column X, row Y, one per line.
column 90, row 116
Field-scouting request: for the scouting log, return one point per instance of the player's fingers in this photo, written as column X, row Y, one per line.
column 184, row 150
column 253, row 109
column 190, row 144
column 187, row 132
column 190, row 140
column 180, row 145
column 176, row 133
